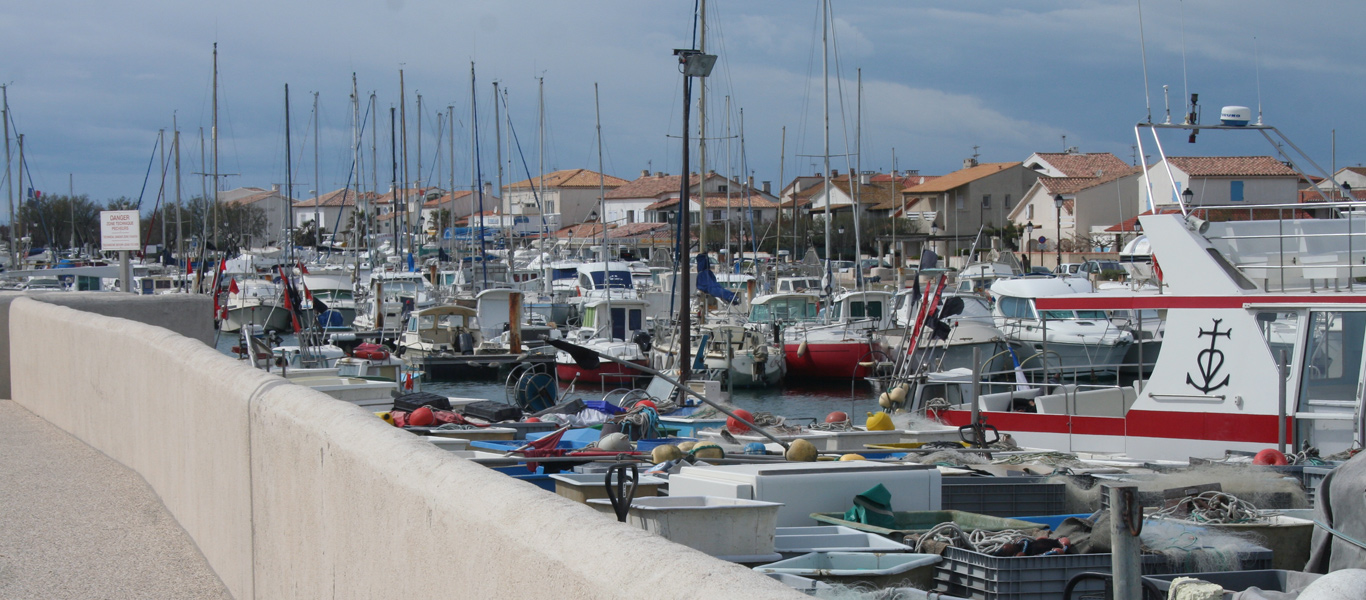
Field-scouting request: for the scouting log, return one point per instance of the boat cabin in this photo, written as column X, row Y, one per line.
column 625, row 318
column 443, row 329
column 795, row 285
column 862, row 306
column 784, row 307
column 600, row 277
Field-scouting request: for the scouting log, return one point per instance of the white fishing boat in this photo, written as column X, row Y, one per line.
column 613, row 327
column 1070, row 342
column 256, row 302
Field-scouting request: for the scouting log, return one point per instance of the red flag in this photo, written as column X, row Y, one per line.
column 303, row 269
column 189, row 268
column 232, row 287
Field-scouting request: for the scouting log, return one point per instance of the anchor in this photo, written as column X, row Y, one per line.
column 1210, row 360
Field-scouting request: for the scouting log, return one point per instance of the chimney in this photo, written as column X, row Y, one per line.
column 768, row 187
column 865, row 178
column 750, row 183
column 659, row 173
column 645, row 173
column 488, row 188
column 969, row 163
column 274, row 187
column 834, row 173
column 912, row 172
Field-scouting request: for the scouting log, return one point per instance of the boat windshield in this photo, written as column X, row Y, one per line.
column 783, row 309
column 1067, row 315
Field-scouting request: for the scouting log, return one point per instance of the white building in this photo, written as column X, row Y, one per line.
column 1221, row 181
column 272, row 202
column 565, row 197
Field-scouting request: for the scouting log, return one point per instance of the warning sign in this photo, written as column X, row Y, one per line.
column 120, row 230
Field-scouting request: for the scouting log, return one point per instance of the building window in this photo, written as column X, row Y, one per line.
column 550, row 207
column 986, row 200
column 630, row 216
column 1235, row 191
column 721, row 189
column 1029, row 212
column 716, row 215
column 1007, row 204
column 958, row 201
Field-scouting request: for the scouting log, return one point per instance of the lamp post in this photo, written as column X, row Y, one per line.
column 1057, row 203
column 841, row 230
column 693, row 64
column 934, row 235
column 1029, row 236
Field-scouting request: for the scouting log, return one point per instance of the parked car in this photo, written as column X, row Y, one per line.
column 1088, row 268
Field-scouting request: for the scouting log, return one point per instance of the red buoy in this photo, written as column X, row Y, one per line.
column 736, row 426
column 422, row 417
column 838, row 416
column 1269, row 457
column 649, row 403
column 532, row 420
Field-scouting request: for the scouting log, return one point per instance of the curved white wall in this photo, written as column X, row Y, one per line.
column 290, row 494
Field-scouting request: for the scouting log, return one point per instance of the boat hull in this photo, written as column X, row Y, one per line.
column 272, row 318
column 608, row 373
column 831, row 360
column 744, row 372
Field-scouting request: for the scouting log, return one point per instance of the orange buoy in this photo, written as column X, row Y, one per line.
column 737, row 426
column 838, row 416
column 422, row 417
column 1269, row 457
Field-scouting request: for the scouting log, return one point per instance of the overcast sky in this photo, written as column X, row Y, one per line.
column 90, row 84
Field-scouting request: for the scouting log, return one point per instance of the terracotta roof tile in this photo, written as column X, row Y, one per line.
column 959, row 178
column 1072, row 185
column 651, row 186
column 635, row 229
column 1074, row 164
column 583, row 230
column 1232, row 166
column 341, row 197
column 756, row 200
column 570, row 178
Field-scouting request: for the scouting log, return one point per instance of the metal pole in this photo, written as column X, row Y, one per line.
column 685, row 248
column 9, row 180
column 1280, row 412
column 125, row 272
column 317, row 182
column 976, row 394
column 1126, row 523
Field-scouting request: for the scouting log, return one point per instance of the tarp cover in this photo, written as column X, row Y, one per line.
column 706, row 282
column 1340, row 507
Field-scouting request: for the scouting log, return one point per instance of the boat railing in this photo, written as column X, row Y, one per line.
column 1288, row 251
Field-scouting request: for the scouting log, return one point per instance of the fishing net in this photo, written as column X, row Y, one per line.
column 1193, row 549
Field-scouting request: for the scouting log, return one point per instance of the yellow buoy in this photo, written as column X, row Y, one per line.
column 801, row 451
column 898, row 394
column 879, row 421
column 708, row 450
column 849, row 457
column 665, row 453
column 686, row 446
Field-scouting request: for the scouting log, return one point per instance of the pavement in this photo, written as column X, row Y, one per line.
column 74, row 523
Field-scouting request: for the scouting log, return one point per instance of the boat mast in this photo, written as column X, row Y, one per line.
column 602, row 220
column 317, row 181
column 357, row 169
column 403, row 137
column 730, row 175
column 374, row 169
column 204, row 217
column 393, row 178
column 450, row 215
column 701, row 155
column 498, row 147
column 9, row 179
column 179, row 233
column 417, row 183
column 540, row 183
column 825, row 177
column 857, row 180
column 214, row 134
column 289, row 184
column 478, row 185
column 161, row 194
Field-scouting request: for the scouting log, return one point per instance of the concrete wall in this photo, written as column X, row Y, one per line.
column 291, row 494
column 190, row 315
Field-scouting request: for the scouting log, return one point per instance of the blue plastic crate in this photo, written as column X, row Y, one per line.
column 982, row 576
column 604, row 407
column 509, row 445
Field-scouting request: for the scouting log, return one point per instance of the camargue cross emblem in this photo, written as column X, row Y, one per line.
column 1210, row 361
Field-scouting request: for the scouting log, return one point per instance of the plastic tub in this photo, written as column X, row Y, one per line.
column 859, row 568
column 727, row 528
column 920, row 521
column 831, row 538
column 1288, row 538
column 448, row 443
column 582, row 487
column 1238, row 581
column 510, row 445
column 1003, row 496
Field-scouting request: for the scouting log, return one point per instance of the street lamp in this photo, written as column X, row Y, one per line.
column 934, row 235
column 693, row 63
column 1057, row 203
column 1029, row 237
column 841, row 230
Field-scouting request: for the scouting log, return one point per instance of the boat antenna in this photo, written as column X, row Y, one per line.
column 1257, row 66
column 1143, row 48
column 1185, row 83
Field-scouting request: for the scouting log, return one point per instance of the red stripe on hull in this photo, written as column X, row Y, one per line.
column 608, row 372
column 830, row 361
column 1258, row 429
column 1209, row 302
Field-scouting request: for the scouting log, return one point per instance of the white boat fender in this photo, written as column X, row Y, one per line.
column 801, row 350
column 615, row 442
